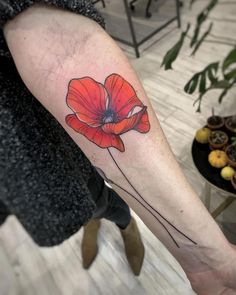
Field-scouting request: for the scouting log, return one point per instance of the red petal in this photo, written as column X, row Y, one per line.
column 124, row 125
column 143, row 125
column 87, row 98
column 122, row 96
column 95, row 134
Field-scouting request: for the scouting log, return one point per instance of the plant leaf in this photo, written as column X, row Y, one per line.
column 225, row 91
column 200, row 20
column 191, row 86
column 230, row 75
column 199, row 43
column 222, row 95
column 202, row 84
column 212, row 71
column 229, row 60
column 220, row 84
column 195, row 36
column 227, row 63
column 173, row 53
column 199, row 100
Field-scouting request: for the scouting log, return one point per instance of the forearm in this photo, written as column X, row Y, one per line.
column 56, row 47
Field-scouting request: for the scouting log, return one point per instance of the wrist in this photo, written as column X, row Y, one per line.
column 207, row 257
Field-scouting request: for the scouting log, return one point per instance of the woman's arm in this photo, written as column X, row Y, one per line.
column 81, row 76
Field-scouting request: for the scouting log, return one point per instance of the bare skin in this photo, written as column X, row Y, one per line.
column 219, row 281
column 50, row 47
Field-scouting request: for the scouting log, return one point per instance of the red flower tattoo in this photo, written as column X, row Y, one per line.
column 103, row 112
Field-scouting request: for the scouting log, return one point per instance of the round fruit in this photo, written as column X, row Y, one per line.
column 227, row 172
column 202, row 135
column 218, row 159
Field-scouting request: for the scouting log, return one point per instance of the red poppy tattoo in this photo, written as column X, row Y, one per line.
column 103, row 112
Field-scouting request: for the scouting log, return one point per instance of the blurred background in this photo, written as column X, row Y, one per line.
column 146, row 31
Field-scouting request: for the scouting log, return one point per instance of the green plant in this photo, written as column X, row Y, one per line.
column 216, row 75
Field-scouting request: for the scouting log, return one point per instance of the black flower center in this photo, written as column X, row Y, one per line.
column 109, row 116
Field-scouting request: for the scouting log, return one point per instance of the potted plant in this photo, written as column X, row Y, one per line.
column 218, row 139
column 215, row 122
column 231, row 152
column 233, row 180
column 230, row 124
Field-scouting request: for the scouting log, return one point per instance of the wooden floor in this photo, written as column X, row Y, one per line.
column 26, row 269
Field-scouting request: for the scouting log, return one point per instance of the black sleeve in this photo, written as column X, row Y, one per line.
column 10, row 8
column 43, row 173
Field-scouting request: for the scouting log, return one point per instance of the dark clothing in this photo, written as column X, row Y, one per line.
column 3, row 212
column 10, row 8
column 108, row 204
column 43, row 174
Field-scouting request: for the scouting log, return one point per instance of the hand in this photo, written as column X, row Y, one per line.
column 219, row 280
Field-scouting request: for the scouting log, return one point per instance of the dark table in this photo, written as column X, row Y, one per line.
column 212, row 178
